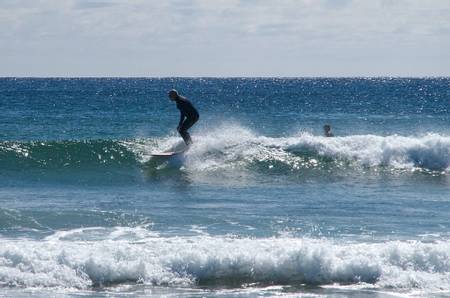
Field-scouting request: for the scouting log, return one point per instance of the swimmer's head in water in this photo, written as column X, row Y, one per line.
column 327, row 130
column 173, row 94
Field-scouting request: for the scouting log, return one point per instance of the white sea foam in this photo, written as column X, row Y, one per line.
column 187, row 261
column 237, row 147
column 431, row 151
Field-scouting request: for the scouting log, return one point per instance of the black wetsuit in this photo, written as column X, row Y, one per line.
column 188, row 116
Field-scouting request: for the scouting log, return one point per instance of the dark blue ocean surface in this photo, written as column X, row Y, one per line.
column 66, row 109
column 261, row 204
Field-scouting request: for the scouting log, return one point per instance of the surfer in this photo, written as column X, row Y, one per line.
column 327, row 130
column 188, row 115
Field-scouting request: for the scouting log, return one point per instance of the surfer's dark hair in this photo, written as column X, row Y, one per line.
column 173, row 91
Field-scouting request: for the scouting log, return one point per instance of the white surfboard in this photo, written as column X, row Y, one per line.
column 169, row 153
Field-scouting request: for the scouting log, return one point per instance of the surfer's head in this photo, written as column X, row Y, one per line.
column 173, row 94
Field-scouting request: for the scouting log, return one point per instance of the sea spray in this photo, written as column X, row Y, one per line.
column 62, row 261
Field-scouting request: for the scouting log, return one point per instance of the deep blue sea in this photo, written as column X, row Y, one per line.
column 262, row 204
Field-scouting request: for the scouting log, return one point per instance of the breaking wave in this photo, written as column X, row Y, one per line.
column 71, row 259
column 239, row 149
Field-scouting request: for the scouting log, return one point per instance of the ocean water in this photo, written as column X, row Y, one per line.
column 261, row 205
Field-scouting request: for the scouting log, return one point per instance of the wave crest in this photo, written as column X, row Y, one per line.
column 238, row 149
column 64, row 154
column 206, row 260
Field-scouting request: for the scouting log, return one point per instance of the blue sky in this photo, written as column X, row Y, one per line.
column 225, row 38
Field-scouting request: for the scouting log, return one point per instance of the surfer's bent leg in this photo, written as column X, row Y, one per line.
column 184, row 127
column 186, row 136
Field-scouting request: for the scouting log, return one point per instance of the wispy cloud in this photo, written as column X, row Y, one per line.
column 87, row 4
column 225, row 37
